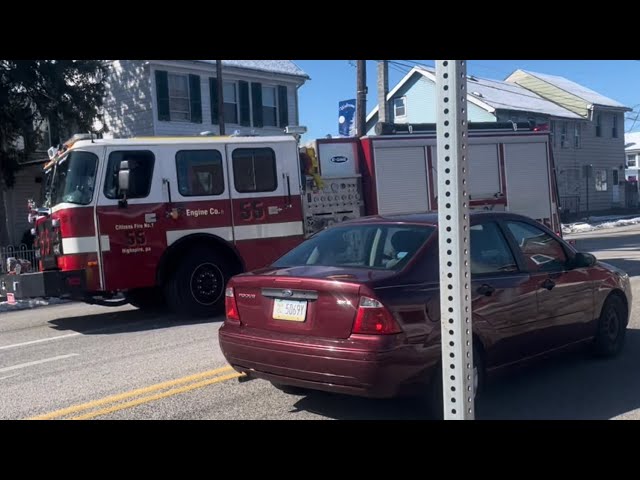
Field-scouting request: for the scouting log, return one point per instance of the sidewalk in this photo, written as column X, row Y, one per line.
column 601, row 222
column 33, row 303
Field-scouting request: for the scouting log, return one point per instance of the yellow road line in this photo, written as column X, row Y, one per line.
column 134, row 393
column 157, row 396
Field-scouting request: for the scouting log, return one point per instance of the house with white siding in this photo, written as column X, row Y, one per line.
column 586, row 127
column 179, row 97
column 632, row 152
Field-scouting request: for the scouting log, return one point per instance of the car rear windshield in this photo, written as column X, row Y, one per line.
column 375, row 246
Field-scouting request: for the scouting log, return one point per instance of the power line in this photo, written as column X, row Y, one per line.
column 531, row 95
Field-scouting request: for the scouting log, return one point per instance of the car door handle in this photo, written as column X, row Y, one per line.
column 486, row 290
column 548, row 284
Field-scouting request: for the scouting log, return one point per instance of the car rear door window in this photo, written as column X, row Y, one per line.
column 490, row 252
column 386, row 247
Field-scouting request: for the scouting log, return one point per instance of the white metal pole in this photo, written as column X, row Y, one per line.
column 453, row 219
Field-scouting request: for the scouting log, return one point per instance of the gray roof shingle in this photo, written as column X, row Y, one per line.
column 287, row 67
column 578, row 90
column 509, row 96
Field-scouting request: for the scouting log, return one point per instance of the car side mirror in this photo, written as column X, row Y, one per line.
column 123, row 182
column 584, row 260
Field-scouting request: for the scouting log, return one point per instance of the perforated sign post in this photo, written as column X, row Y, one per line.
column 458, row 376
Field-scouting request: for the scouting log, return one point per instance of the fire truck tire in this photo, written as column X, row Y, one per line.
column 197, row 285
column 146, row 299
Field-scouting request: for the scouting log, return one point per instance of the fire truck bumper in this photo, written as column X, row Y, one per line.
column 55, row 283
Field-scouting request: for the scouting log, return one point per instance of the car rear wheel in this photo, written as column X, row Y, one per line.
column 435, row 398
column 612, row 328
column 196, row 287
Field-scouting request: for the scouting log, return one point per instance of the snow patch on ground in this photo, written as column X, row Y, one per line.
column 599, row 223
column 31, row 303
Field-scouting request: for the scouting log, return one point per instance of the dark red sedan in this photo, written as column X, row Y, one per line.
column 355, row 309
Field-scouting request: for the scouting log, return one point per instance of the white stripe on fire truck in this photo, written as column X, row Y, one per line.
column 268, row 230
column 74, row 245
column 243, row 232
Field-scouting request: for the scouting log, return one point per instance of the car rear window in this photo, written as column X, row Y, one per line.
column 377, row 246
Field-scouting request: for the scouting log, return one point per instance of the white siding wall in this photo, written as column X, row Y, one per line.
column 128, row 106
column 603, row 152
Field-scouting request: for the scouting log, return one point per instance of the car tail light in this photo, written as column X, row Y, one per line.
column 230, row 305
column 374, row 318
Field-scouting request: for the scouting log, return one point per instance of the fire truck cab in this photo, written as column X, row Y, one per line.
column 164, row 217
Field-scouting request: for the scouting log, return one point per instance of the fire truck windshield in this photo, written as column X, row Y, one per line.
column 74, row 179
column 45, row 193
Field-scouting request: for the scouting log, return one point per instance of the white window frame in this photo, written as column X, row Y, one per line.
column 404, row 106
column 600, row 179
column 576, row 135
column 237, row 101
column 172, row 118
column 275, row 100
column 632, row 158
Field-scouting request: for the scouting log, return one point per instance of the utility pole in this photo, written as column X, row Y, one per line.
column 383, row 90
column 361, row 98
column 458, row 374
column 220, row 96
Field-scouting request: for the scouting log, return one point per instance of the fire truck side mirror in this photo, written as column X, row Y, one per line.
column 123, row 181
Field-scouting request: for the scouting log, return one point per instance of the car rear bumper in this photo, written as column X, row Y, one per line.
column 370, row 366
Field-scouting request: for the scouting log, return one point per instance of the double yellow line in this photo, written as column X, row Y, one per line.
column 165, row 389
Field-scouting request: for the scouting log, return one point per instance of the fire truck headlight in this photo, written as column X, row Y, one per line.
column 56, row 249
column 37, row 253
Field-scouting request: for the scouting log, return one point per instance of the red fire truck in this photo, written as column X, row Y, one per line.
column 158, row 220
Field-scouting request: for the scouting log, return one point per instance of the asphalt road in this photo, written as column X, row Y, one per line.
column 75, row 361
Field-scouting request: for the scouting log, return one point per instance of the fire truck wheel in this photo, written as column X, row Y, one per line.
column 197, row 285
column 146, row 299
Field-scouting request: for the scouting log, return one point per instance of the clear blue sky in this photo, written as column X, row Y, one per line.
column 335, row 80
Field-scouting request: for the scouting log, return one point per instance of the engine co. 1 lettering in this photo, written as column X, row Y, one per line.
column 200, row 212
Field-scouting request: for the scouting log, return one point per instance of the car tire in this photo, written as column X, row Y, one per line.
column 612, row 328
column 196, row 287
column 435, row 398
column 290, row 389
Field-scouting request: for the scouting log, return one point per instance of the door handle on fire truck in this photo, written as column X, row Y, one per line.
column 168, row 184
column 288, row 191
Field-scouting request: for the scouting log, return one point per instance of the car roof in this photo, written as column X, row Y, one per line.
column 431, row 218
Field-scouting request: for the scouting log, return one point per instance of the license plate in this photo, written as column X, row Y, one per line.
column 292, row 310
